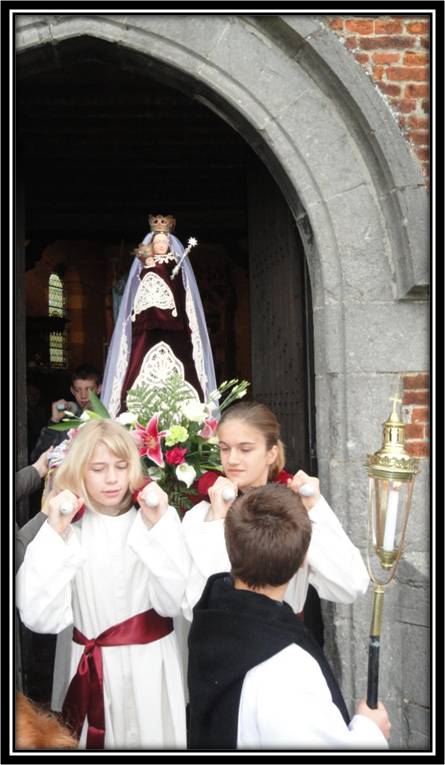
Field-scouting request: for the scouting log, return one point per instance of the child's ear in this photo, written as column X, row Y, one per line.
column 272, row 454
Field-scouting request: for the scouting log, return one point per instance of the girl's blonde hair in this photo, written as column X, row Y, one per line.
column 259, row 416
column 71, row 473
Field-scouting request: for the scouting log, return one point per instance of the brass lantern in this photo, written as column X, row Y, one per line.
column 391, row 473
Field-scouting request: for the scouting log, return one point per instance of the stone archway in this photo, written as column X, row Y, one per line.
column 323, row 130
column 316, row 121
column 356, row 194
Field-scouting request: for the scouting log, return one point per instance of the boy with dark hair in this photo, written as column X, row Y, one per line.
column 257, row 678
column 83, row 380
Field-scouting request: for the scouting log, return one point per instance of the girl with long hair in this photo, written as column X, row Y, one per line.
column 117, row 573
column 252, row 454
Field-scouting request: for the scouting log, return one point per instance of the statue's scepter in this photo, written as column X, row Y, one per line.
column 191, row 243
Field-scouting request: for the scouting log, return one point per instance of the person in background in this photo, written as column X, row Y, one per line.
column 257, row 679
column 83, row 380
column 28, row 480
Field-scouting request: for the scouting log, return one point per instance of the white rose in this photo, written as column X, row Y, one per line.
column 127, row 418
column 194, row 411
column 186, row 474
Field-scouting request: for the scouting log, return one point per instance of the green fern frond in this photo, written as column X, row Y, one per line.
column 145, row 402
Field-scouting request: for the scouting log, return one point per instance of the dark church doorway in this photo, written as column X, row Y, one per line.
column 103, row 139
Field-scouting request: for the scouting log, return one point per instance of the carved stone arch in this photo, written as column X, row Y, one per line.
column 323, row 129
column 301, row 101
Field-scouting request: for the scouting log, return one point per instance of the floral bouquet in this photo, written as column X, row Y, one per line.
column 175, row 433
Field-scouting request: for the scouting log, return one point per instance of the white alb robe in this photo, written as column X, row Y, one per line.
column 333, row 565
column 104, row 570
column 286, row 704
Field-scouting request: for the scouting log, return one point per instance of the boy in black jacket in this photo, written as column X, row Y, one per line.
column 257, row 679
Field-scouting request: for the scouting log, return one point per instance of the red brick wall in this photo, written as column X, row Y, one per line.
column 416, row 413
column 394, row 51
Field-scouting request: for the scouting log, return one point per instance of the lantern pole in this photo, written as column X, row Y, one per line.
column 391, row 472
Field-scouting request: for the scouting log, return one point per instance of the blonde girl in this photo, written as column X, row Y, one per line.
column 117, row 573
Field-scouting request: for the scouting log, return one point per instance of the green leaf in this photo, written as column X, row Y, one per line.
column 97, row 406
column 66, row 424
column 93, row 416
column 155, row 473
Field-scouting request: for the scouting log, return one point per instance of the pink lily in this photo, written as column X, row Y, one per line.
column 209, row 427
column 149, row 440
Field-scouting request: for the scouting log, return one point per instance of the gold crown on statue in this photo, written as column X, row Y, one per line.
column 164, row 223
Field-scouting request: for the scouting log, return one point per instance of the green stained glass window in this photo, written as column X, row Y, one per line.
column 58, row 354
column 56, row 296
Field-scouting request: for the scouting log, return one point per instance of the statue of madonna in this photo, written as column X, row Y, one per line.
column 161, row 327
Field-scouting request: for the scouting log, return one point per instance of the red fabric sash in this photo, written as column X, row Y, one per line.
column 85, row 693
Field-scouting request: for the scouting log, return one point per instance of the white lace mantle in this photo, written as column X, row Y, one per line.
column 153, row 292
column 158, row 365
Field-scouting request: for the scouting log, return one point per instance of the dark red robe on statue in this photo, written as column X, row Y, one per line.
column 154, row 325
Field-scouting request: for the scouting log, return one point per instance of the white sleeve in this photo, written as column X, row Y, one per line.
column 43, row 581
column 286, row 704
column 336, row 567
column 162, row 549
column 207, row 547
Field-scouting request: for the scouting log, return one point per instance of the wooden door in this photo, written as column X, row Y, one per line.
column 281, row 327
column 19, row 330
column 280, row 311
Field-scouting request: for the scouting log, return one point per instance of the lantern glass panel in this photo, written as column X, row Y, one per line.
column 390, row 501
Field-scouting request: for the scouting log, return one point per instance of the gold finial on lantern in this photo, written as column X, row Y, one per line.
column 392, row 461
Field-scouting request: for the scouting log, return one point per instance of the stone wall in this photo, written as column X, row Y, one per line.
column 394, row 52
